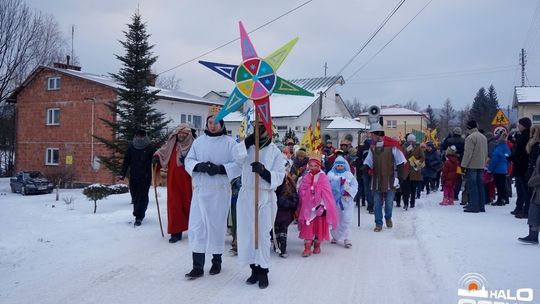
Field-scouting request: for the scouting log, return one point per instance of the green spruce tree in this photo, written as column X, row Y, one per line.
column 432, row 120
column 134, row 107
column 484, row 108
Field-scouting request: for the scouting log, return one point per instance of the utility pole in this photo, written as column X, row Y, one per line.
column 522, row 62
column 321, row 93
column 325, row 68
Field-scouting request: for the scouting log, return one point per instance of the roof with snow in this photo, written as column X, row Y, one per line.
column 395, row 111
column 345, row 123
column 107, row 81
column 527, row 95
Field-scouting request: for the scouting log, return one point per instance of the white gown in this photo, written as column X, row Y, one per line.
column 274, row 161
column 211, row 198
column 343, row 230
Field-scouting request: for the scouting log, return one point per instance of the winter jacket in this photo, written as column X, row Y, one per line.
column 519, row 156
column 534, row 183
column 457, row 141
column 533, row 156
column 476, row 150
column 449, row 176
column 434, row 164
column 287, row 198
column 139, row 163
column 498, row 163
column 413, row 172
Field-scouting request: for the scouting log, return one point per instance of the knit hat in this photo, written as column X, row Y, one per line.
column 526, row 122
column 430, row 144
column 301, row 153
column 472, row 124
column 411, row 137
column 457, row 131
column 452, row 150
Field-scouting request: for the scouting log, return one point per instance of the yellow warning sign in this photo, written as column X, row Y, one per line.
column 69, row 159
column 500, row 119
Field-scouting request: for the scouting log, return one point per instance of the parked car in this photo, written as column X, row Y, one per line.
column 28, row 182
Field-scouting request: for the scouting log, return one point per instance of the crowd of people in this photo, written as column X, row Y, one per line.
column 212, row 180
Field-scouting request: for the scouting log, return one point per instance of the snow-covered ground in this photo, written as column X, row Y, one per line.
column 52, row 254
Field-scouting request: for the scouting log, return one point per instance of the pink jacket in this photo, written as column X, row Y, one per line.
column 312, row 194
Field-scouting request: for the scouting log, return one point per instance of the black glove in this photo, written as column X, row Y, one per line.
column 250, row 140
column 214, row 169
column 182, row 159
column 201, row 167
column 259, row 168
column 155, row 160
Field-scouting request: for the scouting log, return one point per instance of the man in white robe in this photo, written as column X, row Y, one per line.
column 271, row 171
column 212, row 166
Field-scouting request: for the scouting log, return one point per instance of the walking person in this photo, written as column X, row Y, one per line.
column 498, row 166
column 138, row 159
column 474, row 160
column 171, row 156
column 287, row 202
column 271, row 169
column 212, row 167
column 385, row 161
column 413, row 172
column 450, row 176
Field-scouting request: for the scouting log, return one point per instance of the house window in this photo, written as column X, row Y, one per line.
column 52, row 156
column 282, row 128
column 194, row 120
column 536, row 119
column 53, row 116
column 297, row 129
column 53, row 83
column 391, row 124
column 197, row 121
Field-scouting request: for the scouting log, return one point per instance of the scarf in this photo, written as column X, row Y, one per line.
column 140, row 143
column 182, row 149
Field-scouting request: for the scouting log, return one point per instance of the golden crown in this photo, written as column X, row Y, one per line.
column 315, row 154
column 213, row 110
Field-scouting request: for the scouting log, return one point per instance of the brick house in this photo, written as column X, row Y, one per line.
column 59, row 109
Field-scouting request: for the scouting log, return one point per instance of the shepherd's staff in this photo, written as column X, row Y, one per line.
column 154, row 175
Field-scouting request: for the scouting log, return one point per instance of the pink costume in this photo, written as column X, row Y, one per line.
column 314, row 191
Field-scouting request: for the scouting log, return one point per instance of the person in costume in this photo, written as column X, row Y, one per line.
column 138, row 159
column 344, row 188
column 385, row 161
column 171, row 156
column 317, row 209
column 287, row 202
column 212, row 167
column 413, row 172
column 271, row 171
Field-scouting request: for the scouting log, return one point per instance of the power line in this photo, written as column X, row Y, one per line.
column 371, row 37
column 436, row 75
column 237, row 38
column 370, row 59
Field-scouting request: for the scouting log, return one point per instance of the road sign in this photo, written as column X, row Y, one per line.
column 497, row 130
column 500, row 119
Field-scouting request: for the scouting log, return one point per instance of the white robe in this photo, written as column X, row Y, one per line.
column 274, row 161
column 211, row 198
column 343, row 230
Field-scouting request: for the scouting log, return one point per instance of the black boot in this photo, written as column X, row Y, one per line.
column 532, row 238
column 216, row 264
column 198, row 265
column 254, row 275
column 282, row 243
column 263, row 277
column 175, row 237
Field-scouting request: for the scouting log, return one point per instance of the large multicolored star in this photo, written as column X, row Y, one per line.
column 255, row 79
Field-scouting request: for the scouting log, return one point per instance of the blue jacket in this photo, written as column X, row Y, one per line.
column 498, row 162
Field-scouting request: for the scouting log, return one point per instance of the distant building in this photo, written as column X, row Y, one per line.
column 58, row 109
column 399, row 121
column 527, row 102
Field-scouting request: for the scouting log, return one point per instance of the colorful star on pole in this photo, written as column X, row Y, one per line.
column 255, row 79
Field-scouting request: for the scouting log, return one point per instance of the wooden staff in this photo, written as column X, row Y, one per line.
column 256, row 182
column 154, row 175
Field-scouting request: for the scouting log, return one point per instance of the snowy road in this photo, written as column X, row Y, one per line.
column 57, row 255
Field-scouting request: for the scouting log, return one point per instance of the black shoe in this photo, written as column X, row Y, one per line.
column 398, row 206
column 463, row 203
column 371, row 212
column 175, row 237
column 470, row 211
column 254, row 278
column 515, row 212
column 532, row 238
column 497, row 203
column 412, row 206
column 521, row 215
column 138, row 222
column 263, row 277
column 194, row 274
column 363, row 204
column 215, row 269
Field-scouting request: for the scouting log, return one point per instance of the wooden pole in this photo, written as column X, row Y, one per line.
column 257, row 143
column 154, row 174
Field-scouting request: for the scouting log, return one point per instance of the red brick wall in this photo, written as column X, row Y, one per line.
column 72, row 136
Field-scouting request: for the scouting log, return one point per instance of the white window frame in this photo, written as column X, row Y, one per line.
column 49, row 156
column 190, row 118
column 53, row 83
column 282, row 128
column 536, row 118
column 51, row 117
column 391, row 124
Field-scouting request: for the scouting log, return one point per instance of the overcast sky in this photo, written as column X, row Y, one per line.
column 476, row 42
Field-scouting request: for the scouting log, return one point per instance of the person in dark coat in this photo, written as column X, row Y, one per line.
column 456, row 139
column 520, row 158
column 138, row 159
